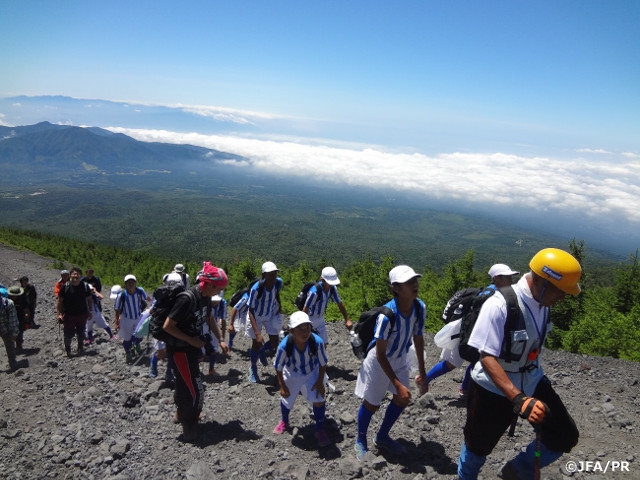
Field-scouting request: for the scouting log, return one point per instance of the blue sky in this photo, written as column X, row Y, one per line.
column 550, row 85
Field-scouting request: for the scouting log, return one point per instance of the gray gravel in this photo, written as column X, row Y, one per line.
column 95, row 417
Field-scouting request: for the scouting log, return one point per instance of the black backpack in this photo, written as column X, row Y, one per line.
column 313, row 346
column 470, row 353
column 302, row 295
column 366, row 326
column 166, row 296
column 459, row 304
column 235, row 298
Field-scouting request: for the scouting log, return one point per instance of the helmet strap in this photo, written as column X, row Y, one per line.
column 544, row 288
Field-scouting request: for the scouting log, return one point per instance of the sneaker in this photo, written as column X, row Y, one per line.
column 262, row 355
column 253, row 374
column 280, row 428
column 390, row 445
column 360, row 449
column 323, row 439
column 153, row 373
column 87, row 342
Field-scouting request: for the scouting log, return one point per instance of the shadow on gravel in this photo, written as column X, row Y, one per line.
column 305, row 439
column 459, row 402
column 427, row 453
column 30, row 351
column 212, row 433
column 348, row 375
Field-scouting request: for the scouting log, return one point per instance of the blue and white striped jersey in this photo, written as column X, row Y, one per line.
column 266, row 303
column 242, row 306
column 220, row 310
column 401, row 337
column 318, row 300
column 130, row 305
column 300, row 363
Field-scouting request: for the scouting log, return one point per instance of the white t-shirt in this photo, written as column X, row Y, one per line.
column 488, row 334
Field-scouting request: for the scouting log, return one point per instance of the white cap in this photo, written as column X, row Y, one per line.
column 179, row 268
column 172, row 277
column 130, row 277
column 64, row 272
column 501, row 269
column 330, row 276
column 402, row 274
column 115, row 290
column 216, row 298
column 269, row 267
column 298, row 318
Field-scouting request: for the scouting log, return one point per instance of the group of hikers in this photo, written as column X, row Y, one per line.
column 507, row 380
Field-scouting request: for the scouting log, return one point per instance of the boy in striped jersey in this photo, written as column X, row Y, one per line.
column 318, row 299
column 300, row 364
column 385, row 367
column 264, row 312
column 128, row 308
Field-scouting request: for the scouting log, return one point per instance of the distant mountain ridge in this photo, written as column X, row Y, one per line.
column 47, row 152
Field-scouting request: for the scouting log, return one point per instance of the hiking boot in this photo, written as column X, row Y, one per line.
column 390, row 445
column 212, row 372
column 253, row 374
column 323, row 439
column 508, row 472
column 280, row 428
column 190, row 432
column 361, row 450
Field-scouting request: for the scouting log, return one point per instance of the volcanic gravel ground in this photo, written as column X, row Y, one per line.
column 95, row 417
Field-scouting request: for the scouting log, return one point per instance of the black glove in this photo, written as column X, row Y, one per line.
column 530, row 408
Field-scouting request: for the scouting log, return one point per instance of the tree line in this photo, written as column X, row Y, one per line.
column 604, row 320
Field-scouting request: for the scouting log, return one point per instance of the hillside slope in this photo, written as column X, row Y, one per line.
column 96, row 417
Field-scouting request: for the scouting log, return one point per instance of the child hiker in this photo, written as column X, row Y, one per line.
column 300, row 364
column 385, row 367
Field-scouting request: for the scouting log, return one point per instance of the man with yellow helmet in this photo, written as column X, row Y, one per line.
column 508, row 380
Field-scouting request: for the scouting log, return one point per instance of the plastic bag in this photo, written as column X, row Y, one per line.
column 448, row 336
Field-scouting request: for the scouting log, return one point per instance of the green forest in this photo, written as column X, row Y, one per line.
column 604, row 320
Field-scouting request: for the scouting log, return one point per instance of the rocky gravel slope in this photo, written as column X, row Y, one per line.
column 95, row 417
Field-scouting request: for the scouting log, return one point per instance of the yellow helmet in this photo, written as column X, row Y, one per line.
column 558, row 267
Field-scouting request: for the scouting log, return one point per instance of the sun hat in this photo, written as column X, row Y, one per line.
column 269, row 267
column 16, row 290
column 172, row 277
column 130, row 277
column 115, row 290
column 179, row 268
column 402, row 274
column 501, row 269
column 330, row 276
column 298, row 318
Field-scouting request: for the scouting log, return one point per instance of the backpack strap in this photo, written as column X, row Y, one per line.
column 513, row 314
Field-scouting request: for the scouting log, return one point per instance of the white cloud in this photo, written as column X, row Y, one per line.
column 584, row 188
column 598, row 151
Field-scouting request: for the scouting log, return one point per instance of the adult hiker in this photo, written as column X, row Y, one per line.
column 9, row 328
column 184, row 324
column 32, row 299
column 74, row 307
column 509, row 380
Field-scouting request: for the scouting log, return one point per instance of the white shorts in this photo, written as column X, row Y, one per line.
column 319, row 325
column 452, row 356
column 98, row 319
column 240, row 323
column 127, row 327
column 373, row 384
column 301, row 385
column 272, row 325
